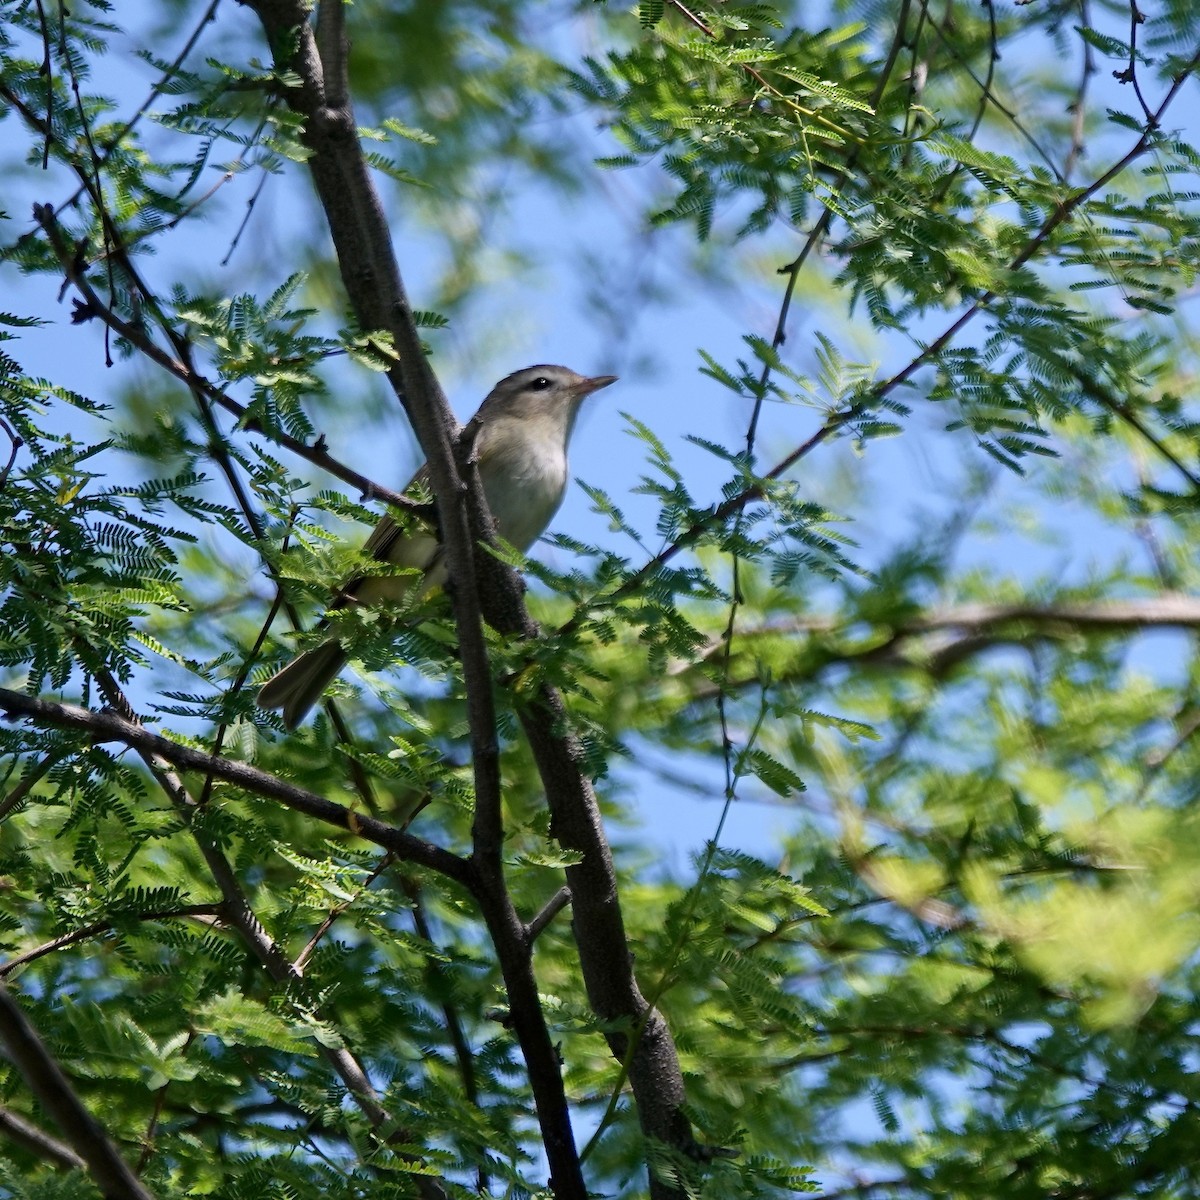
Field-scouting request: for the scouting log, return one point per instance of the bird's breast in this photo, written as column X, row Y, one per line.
column 523, row 469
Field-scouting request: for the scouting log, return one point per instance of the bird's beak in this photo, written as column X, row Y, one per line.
column 588, row 386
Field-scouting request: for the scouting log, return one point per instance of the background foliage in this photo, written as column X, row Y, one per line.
column 931, row 599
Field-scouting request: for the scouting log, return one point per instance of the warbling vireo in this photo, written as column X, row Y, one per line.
column 520, row 436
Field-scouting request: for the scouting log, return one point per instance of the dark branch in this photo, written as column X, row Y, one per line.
column 27, row 782
column 16, row 443
column 37, row 1141
column 108, row 726
column 556, row 904
column 96, row 306
column 59, row 1100
column 372, row 280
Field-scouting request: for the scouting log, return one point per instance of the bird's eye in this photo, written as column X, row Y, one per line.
column 540, row 384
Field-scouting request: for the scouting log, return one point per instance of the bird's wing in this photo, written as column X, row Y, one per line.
column 392, row 542
column 406, row 546
column 383, row 536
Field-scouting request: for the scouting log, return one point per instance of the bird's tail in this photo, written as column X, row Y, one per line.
column 299, row 685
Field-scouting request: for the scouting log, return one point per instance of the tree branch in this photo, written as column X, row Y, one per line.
column 97, row 927
column 26, row 783
column 108, row 726
column 37, row 1141
column 1173, row 610
column 981, row 626
column 553, row 907
column 58, row 1098
column 317, row 454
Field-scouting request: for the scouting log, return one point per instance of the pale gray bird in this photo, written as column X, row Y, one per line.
column 520, row 435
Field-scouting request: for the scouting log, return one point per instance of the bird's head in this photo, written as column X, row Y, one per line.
column 541, row 393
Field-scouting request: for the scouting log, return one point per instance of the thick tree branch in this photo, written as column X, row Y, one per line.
column 377, row 295
column 60, row 1101
column 605, row 956
column 1173, row 610
column 373, row 283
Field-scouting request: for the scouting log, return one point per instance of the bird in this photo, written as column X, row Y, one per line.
column 520, row 434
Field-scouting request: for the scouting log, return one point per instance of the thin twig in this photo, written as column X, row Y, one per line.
column 46, row 70
column 436, row 972
column 1130, row 75
column 317, row 453
column 1078, row 106
column 160, row 1099
column 17, row 442
column 245, row 221
column 987, row 92
column 330, row 920
column 98, row 927
column 142, row 109
column 1095, row 390
column 243, row 674
column 985, row 86
column 917, row 74
column 96, row 185
column 757, row 76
